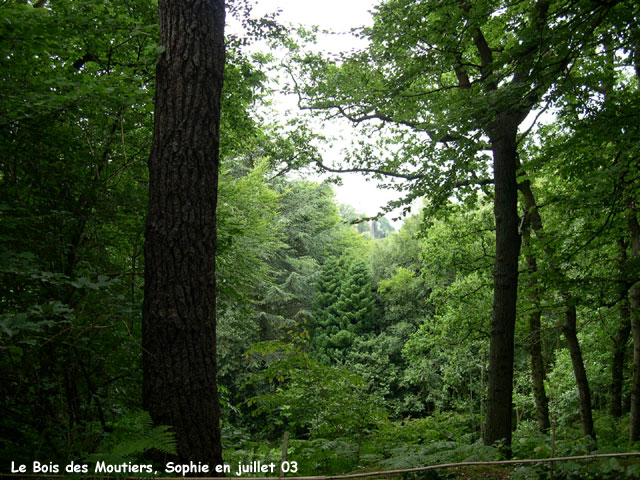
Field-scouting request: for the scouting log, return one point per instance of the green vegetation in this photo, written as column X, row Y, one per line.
column 375, row 349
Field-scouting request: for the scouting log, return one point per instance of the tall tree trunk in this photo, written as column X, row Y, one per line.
column 584, row 393
column 179, row 321
column 500, row 389
column 624, row 326
column 617, row 362
column 634, row 303
column 569, row 326
column 620, row 340
column 634, row 297
column 535, row 343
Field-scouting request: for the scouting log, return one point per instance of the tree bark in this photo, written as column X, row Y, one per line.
column 535, row 344
column 617, row 362
column 620, row 340
column 569, row 327
column 500, row 389
column 179, row 321
column 634, row 304
column 584, row 393
column 624, row 326
column 634, row 298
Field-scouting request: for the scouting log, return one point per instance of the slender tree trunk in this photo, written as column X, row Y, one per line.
column 500, row 389
column 617, row 364
column 569, row 326
column 179, row 322
column 621, row 339
column 624, row 326
column 535, row 345
column 584, row 393
column 634, row 298
column 634, row 303
column 538, row 374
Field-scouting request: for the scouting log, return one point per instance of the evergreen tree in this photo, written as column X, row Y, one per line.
column 357, row 302
column 345, row 306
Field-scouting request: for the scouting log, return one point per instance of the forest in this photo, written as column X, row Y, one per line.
column 180, row 285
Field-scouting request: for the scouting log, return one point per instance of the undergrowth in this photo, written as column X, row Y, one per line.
column 451, row 438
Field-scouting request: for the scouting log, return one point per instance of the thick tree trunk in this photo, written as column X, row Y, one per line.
column 179, row 322
column 634, row 303
column 535, row 345
column 500, row 388
column 620, row 341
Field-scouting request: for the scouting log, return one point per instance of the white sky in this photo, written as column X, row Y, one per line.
column 339, row 16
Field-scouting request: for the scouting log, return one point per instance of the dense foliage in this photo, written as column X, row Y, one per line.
column 369, row 346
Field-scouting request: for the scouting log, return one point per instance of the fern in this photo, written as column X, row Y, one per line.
column 132, row 436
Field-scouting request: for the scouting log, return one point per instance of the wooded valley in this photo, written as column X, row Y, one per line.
column 177, row 282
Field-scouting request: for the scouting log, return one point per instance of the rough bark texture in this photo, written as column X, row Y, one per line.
column 179, row 323
column 535, row 344
column 500, row 388
column 634, row 303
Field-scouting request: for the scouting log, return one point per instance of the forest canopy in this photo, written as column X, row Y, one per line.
column 157, row 211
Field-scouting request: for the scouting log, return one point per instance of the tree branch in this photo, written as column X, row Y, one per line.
column 405, row 176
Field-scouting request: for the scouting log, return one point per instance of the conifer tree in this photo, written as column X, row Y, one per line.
column 345, row 305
